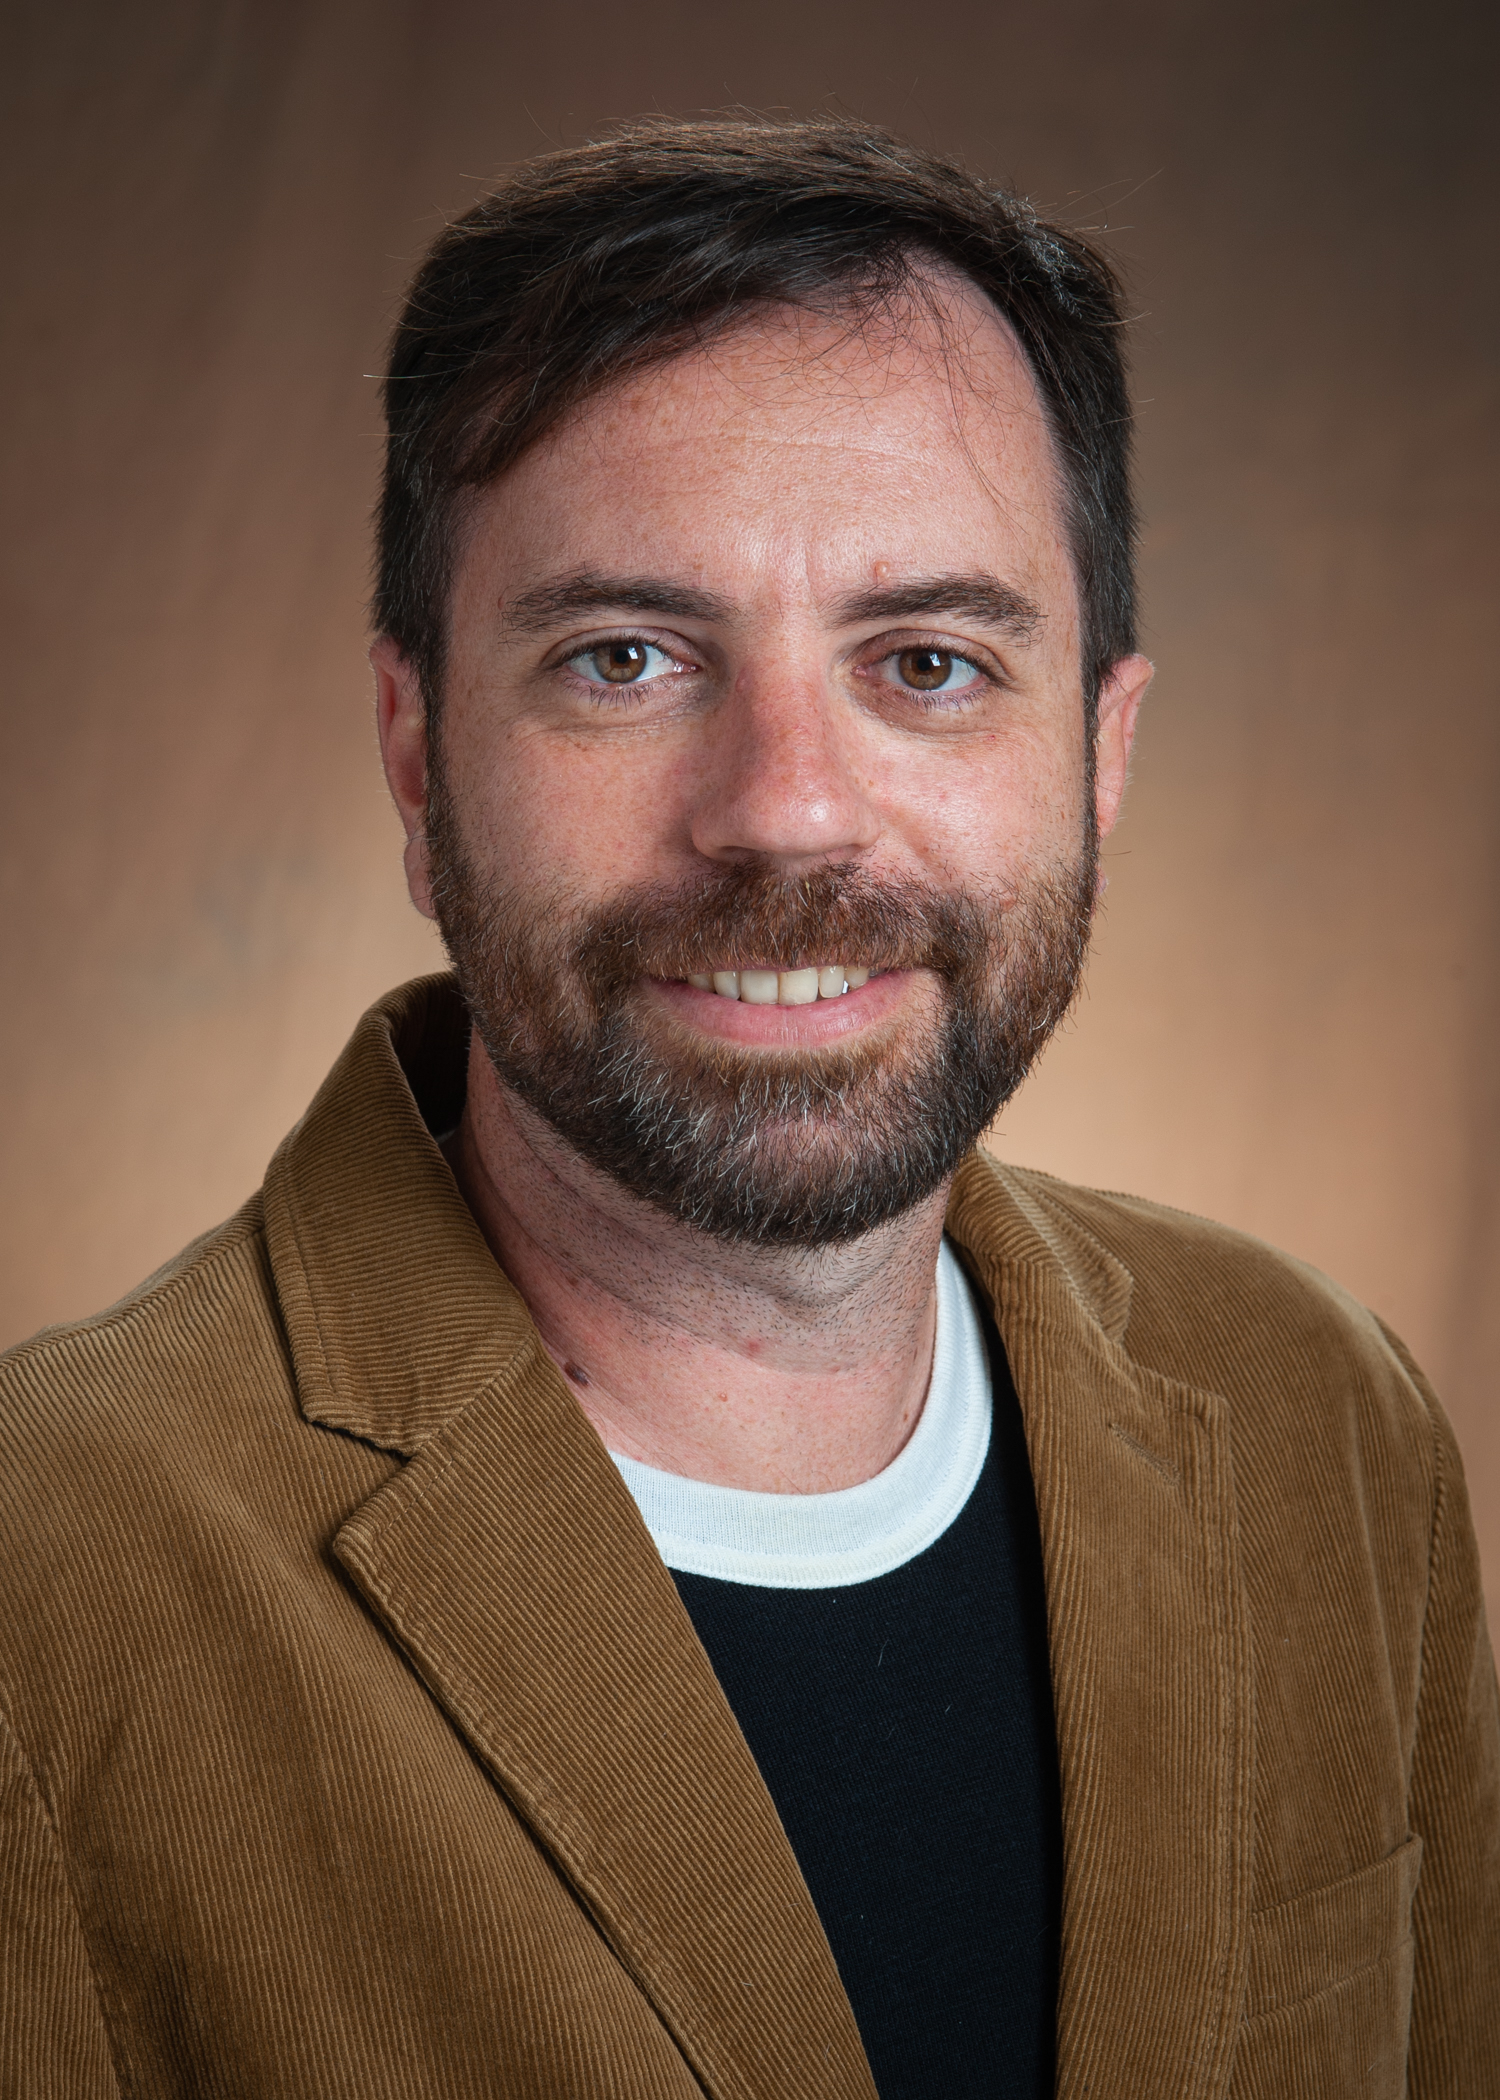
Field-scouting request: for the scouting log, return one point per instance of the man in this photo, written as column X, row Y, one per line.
column 642, row 1563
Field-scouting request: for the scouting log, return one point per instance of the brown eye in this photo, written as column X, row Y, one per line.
column 620, row 662
column 925, row 669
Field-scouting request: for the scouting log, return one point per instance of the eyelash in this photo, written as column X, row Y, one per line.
column 983, row 679
column 600, row 686
column 935, row 700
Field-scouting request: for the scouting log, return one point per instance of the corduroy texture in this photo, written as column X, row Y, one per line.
column 356, row 1742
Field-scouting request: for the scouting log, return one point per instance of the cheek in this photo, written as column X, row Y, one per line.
column 985, row 808
column 555, row 813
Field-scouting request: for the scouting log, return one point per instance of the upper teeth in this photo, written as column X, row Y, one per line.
column 783, row 987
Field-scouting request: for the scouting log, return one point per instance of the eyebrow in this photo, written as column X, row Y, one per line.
column 589, row 592
column 977, row 596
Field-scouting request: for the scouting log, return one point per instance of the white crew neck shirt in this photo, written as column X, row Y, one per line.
column 814, row 1542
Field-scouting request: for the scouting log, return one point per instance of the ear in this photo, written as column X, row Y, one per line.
column 401, row 719
column 1120, row 698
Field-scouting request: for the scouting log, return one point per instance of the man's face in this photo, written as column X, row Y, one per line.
column 764, row 680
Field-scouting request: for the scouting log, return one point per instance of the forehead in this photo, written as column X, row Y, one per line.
column 914, row 439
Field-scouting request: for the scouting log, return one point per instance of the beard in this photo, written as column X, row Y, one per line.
column 790, row 1148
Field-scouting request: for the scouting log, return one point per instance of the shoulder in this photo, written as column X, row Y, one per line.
column 1341, row 1459
column 1178, row 1262
column 162, row 1495
column 1297, row 1356
column 146, row 1367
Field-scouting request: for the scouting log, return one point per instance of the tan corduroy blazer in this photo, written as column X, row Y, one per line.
column 356, row 1743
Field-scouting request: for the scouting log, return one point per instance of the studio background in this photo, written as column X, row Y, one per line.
column 1292, row 1012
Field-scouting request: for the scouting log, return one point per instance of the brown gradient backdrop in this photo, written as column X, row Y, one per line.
column 1292, row 1015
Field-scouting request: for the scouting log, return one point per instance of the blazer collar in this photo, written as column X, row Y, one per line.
column 395, row 1309
column 511, row 1565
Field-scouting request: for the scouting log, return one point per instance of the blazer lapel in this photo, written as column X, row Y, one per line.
column 1150, row 1658
column 509, row 1562
column 513, row 1567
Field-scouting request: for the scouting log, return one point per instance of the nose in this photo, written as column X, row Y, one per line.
column 782, row 783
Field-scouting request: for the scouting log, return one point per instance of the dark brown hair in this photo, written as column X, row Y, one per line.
column 593, row 263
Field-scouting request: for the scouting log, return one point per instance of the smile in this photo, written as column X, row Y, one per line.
column 784, row 987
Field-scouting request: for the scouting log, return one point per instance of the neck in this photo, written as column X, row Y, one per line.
column 787, row 1370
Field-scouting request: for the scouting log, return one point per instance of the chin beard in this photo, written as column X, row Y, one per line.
column 778, row 1148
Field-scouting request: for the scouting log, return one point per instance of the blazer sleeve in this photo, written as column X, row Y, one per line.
column 53, row 2044
column 1455, row 1810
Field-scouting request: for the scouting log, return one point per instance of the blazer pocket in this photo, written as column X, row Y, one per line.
column 1328, row 2002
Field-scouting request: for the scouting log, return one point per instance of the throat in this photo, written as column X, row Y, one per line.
column 783, row 1370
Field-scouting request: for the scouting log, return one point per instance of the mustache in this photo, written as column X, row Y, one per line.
column 750, row 917
column 776, row 1148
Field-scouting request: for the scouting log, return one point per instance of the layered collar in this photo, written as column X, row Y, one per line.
column 510, row 1564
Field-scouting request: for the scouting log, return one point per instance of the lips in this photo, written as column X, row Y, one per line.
column 784, row 987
